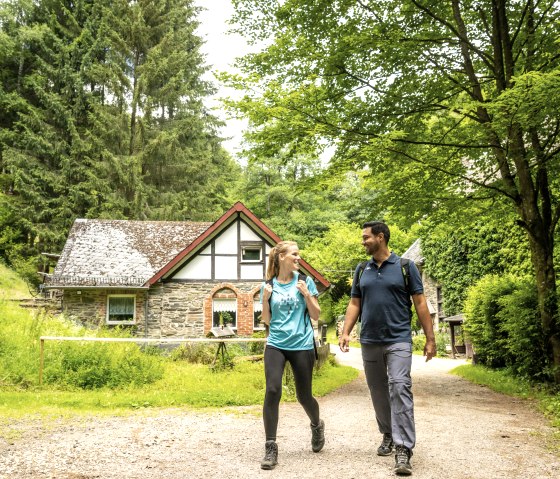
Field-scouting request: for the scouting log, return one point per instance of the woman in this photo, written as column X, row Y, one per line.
column 287, row 301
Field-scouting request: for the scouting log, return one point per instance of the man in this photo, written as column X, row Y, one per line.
column 381, row 296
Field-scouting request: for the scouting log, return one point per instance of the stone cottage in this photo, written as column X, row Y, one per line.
column 432, row 289
column 168, row 279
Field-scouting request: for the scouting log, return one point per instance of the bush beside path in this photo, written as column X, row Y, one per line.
column 465, row 431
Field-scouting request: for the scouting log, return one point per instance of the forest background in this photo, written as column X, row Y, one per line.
column 440, row 118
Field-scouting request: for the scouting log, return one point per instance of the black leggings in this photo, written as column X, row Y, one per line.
column 302, row 366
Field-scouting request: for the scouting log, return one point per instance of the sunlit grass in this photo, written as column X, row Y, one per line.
column 11, row 285
column 183, row 385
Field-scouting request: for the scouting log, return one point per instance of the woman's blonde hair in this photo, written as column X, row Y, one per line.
column 274, row 258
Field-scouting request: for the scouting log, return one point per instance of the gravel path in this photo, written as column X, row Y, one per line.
column 464, row 432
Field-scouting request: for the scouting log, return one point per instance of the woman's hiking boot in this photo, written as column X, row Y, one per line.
column 270, row 455
column 386, row 447
column 318, row 436
column 402, row 461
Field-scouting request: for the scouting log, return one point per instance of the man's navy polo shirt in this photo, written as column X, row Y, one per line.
column 385, row 301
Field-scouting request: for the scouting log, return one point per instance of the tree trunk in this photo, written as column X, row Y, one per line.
column 542, row 251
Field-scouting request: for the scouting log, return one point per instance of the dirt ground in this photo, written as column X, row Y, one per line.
column 463, row 431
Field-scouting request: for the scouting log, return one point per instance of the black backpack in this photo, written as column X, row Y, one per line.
column 301, row 277
column 405, row 270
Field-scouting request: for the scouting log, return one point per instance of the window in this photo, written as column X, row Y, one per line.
column 121, row 309
column 251, row 253
column 224, row 312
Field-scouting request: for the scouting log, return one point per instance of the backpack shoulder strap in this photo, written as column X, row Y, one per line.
column 363, row 265
column 405, row 269
column 361, row 268
column 303, row 277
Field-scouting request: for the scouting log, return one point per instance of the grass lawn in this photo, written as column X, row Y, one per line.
column 11, row 285
column 183, row 385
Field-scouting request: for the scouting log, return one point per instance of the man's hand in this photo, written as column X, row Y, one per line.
column 430, row 349
column 344, row 342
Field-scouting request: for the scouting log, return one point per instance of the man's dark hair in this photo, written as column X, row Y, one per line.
column 379, row 227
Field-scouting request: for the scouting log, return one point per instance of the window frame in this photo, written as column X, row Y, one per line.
column 251, row 245
column 127, row 321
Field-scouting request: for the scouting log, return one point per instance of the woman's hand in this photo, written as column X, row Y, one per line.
column 267, row 291
column 302, row 288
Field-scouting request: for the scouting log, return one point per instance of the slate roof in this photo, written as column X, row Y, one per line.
column 414, row 253
column 115, row 253
column 136, row 254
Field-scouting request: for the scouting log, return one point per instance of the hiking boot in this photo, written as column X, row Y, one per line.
column 386, row 447
column 270, row 455
column 402, row 461
column 318, row 436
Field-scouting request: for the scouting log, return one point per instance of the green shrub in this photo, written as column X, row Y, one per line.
column 504, row 327
column 90, row 365
column 68, row 364
column 257, row 348
column 520, row 319
column 482, row 326
column 194, row 353
column 418, row 343
column 442, row 340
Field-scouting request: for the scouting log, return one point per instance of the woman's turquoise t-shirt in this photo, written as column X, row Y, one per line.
column 289, row 328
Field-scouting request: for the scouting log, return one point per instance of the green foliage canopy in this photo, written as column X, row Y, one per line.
column 438, row 101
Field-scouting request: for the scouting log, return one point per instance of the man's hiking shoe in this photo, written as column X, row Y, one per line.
column 270, row 455
column 386, row 447
column 318, row 436
column 402, row 461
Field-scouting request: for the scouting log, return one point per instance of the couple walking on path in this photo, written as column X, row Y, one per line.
column 381, row 295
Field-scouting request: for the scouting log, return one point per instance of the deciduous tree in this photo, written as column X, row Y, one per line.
column 441, row 102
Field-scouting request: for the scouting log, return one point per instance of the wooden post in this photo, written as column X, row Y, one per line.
column 41, row 362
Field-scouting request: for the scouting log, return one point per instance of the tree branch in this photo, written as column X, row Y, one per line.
column 462, row 37
column 449, row 173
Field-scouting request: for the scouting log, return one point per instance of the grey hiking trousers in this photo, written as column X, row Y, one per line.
column 387, row 370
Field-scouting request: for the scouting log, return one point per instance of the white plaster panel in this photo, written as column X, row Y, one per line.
column 200, row 267
column 251, row 271
column 226, row 243
column 226, row 267
column 247, row 234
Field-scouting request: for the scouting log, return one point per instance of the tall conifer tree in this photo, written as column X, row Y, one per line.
column 103, row 117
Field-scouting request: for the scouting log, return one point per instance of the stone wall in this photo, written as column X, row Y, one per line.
column 174, row 308
column 89, row 306
column 431, row 292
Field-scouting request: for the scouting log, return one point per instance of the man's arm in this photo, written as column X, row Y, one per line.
column 426, row 321
column 350, row 318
